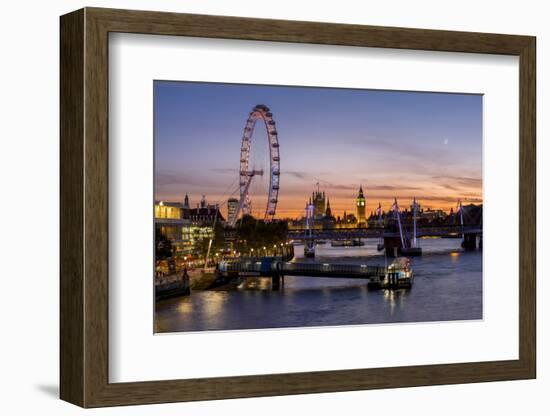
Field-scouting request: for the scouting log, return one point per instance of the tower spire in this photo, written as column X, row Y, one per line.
column 361, row 204
column 328, row 211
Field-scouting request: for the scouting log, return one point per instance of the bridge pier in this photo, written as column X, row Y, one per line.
column 469, row 242
column 392, row 245
column 391, row 251
column 277, row 279
column 275, row 282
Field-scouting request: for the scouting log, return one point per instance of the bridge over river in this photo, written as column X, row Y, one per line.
column 356, row 233
column 393, row 240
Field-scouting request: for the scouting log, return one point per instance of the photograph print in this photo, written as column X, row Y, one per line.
column 291, row 206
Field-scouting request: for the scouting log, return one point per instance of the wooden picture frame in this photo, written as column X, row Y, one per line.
column 84, row 207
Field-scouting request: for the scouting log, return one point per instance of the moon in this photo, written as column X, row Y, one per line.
column 446, row 142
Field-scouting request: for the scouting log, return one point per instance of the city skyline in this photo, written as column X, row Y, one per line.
column 392, row 143
column 349, row 209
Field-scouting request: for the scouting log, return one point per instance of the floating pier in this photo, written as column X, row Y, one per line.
column 397, row 275
column 171, row 286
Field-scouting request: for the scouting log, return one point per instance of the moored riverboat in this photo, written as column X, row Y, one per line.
column 347, row 243
column 309, row 250
column 398, row 275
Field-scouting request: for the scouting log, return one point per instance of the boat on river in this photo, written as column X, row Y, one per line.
column 347, row 243
column 399, row 275
column 309, row 249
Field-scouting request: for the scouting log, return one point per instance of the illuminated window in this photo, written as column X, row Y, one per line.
column 163, row 211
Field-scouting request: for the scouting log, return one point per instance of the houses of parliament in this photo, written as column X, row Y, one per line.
column 324, row 217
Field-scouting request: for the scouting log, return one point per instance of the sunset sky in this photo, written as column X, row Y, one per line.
column 394, row 144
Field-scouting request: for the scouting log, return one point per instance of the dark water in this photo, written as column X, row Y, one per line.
column 447, row 286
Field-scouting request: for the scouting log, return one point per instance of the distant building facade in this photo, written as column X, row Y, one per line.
column 324, row 217
column 169, row 221
column 318, row 201
column 186, row 227
column 232, row 206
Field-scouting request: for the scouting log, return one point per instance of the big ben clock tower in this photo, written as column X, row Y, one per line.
column 361, row 204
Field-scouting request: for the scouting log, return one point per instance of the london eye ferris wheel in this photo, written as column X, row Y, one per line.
column 266, row 193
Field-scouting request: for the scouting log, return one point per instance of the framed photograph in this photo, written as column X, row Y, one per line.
column 260, row 207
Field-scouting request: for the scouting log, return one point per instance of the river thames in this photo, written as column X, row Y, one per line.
column 447, row 286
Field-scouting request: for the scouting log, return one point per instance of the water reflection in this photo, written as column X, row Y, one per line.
column 185, row 307
column 447, row 286
column 454, row 256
